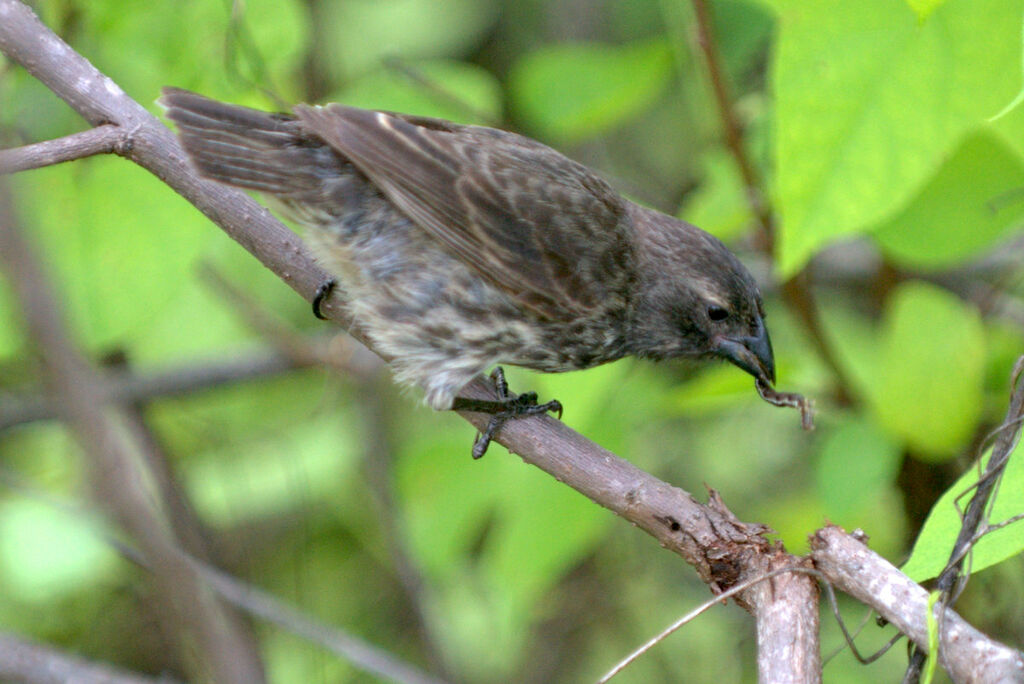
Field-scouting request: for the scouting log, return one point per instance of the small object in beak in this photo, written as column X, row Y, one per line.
column 797, row 401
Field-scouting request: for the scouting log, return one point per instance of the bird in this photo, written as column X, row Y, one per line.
column 460, row 248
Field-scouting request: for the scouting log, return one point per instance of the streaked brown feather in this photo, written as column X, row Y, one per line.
column 498, row 201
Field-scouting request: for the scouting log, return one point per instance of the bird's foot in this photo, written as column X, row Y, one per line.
column 321, row 294
column 508, row 407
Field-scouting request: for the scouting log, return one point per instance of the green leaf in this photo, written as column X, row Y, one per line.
column 870, row 101
column 572, row 92
column 855, row 462
column 449, row 90
column 923, row 8
column 927, row 388
column 975, row 199
column 935, row 542
column 194, row 43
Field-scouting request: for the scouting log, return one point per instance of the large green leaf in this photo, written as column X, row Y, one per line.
column 972, row 201
column 935, row 543
column 871, row 100
column 929, row 372
column 571, row 92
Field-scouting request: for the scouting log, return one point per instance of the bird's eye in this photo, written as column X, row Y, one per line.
column 717, row 313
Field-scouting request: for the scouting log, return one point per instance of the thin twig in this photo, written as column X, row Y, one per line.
column 365, row 656
column 731, row 126
column 966, row 653
column 702, row 608
column 98, row 140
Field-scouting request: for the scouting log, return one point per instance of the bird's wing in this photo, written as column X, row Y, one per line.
column 538, row 225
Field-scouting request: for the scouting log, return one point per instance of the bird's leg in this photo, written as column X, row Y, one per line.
column 322, row 293
column 507, row 407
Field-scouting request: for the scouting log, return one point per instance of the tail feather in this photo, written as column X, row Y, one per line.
column 246, row 147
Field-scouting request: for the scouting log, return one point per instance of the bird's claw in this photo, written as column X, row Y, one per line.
column 516, row 406
column 321, row 295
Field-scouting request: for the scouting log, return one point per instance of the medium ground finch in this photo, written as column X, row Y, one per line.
column 461, row 247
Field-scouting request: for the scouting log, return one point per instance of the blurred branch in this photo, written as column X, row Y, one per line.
column 247, row 597
column 965, row 653
column 796, row 291
column 24, row 661
column 99, row 140
column 350, row 648
column 731, row 126
column 378, row 461
column 208, row 644
column 437, row 91
column 124, row 386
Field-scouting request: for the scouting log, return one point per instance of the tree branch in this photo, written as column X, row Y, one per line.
column 24, row 661
column 967, row 654
column 722, row 549
column 100, row 140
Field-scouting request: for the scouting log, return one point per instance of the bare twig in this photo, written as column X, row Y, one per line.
column 964, row 652
column 24, row 661
column 703, row 608
column 99, row 140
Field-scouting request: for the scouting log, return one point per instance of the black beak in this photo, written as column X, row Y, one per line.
column 752, row 354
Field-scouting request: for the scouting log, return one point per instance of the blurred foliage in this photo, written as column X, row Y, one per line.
column 891, row 183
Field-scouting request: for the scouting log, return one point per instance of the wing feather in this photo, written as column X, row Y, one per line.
column 537, row 224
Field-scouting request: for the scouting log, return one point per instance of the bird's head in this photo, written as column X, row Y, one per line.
column 696, row 299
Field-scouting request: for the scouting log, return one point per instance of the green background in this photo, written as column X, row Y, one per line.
column 896, row 180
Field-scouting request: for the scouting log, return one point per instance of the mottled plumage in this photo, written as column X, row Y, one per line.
column 461, row 247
